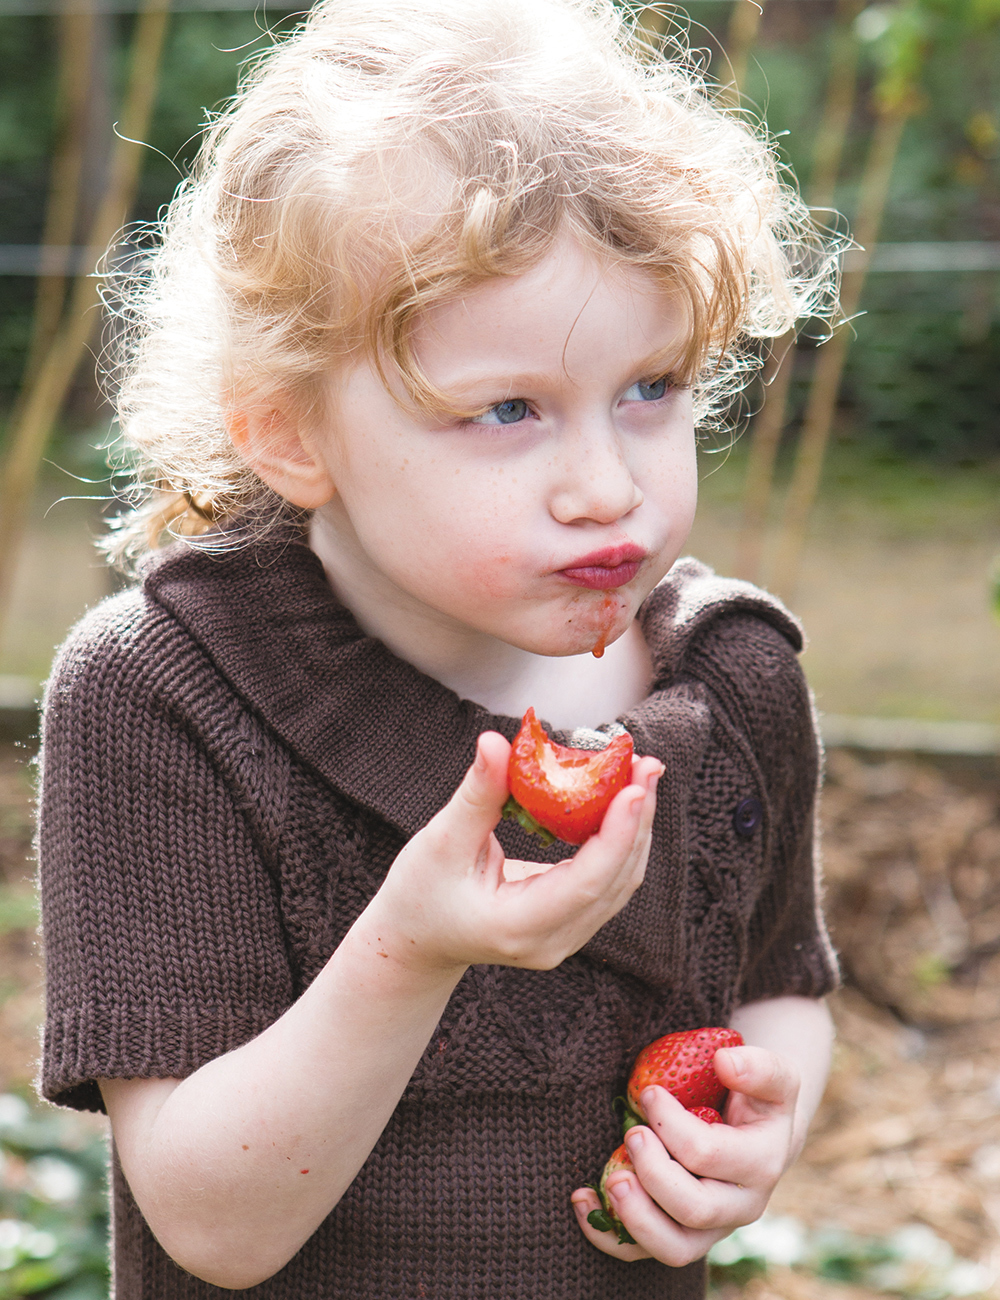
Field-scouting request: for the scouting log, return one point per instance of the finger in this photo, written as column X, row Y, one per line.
column 646, row 771
column 649, row 772
column 770, row 1082
column 655, row 1231
column 584, row 1200
column 696, row 1149
column 475, row 807
column 629, row 820
column 701, row 1204
column 751, row 1156
column 623, row 820
column 623, row 842
column 605, row 867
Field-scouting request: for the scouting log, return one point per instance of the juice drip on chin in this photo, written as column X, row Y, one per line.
column 602, row 640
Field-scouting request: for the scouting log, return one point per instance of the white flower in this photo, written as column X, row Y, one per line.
column 14, row 1110
column 12, row 1233
column 40, row 1245
column 774, row 1240
column 52, row 1179
column 873, row 22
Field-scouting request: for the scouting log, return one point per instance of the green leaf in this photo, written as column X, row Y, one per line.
column 600, row 1219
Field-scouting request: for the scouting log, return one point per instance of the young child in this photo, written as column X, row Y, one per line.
column 415, row 376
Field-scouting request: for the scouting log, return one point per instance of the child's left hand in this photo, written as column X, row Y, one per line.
column 694, row 1183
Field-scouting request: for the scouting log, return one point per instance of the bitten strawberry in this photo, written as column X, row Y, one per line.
column 683, row 1063
column 561, row 793
column 605, row 1219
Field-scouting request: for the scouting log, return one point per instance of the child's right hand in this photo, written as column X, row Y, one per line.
column 451, row 899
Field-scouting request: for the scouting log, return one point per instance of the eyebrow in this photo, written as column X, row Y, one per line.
column 658, row 363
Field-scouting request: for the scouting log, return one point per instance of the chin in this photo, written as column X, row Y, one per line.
column 580, row 643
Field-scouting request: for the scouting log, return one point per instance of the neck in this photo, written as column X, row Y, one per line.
column 571, row 691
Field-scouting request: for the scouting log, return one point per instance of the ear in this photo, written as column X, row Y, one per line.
column 277, row 449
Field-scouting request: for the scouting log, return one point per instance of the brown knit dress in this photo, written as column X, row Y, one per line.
column 230, row 767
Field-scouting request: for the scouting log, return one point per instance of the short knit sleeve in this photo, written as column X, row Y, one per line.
column 754, row 674
column 160, row 920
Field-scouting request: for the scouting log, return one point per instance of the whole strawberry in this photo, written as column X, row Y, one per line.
column 605, row 1218
column 683, row 1063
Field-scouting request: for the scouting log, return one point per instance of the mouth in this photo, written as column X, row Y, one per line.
column 604, row 570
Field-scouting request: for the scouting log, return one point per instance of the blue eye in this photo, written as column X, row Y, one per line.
column 510, row 412
column 643, row 392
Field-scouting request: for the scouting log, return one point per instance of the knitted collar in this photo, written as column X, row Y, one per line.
column 379, row 730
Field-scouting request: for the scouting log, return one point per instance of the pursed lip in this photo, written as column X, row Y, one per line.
column 614, row 566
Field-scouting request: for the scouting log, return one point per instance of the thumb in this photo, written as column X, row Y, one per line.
column 475, row 807
column 762, row 1076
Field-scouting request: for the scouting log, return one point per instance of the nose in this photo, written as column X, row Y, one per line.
column 593, row 480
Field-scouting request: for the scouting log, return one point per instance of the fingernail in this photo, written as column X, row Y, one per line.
column 738, row 1061
column 480, row 764
column 637, row 803
column 634, row 1140
column 648, row 1098
column 580, row 1200
column 654, row 777
column 621, row 1189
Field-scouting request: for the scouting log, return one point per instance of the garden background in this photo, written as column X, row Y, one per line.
column 863, row 486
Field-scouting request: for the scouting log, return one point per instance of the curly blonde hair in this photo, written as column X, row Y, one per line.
column 382, row 159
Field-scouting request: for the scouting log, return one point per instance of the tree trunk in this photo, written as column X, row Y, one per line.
column 838, row 106
column 744, row 23
column 765, row 434
column 830, row 360
column 77, row 30
column 765, row 438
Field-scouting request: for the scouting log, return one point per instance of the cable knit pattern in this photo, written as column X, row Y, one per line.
column 229, row 769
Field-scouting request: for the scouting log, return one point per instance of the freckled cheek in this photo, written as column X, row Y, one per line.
column 485, row 548
column 671, row 483
column 485, row 561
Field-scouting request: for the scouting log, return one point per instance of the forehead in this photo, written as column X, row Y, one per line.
column 572, row 310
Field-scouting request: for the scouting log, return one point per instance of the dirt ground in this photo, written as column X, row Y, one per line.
column 909, row 1131
column 894, row 588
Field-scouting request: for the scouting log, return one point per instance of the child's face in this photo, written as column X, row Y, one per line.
column 546, row 519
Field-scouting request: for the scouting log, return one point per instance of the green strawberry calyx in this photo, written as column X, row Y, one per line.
column 600, row 1219
column 603, row 1221
column 626, row 1114
column 513, row 811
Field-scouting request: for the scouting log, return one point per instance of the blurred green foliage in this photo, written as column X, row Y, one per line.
column 913, row 1262
column 920, row 380
column 18, row 907
column 53, row 1204
column 201, row 63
